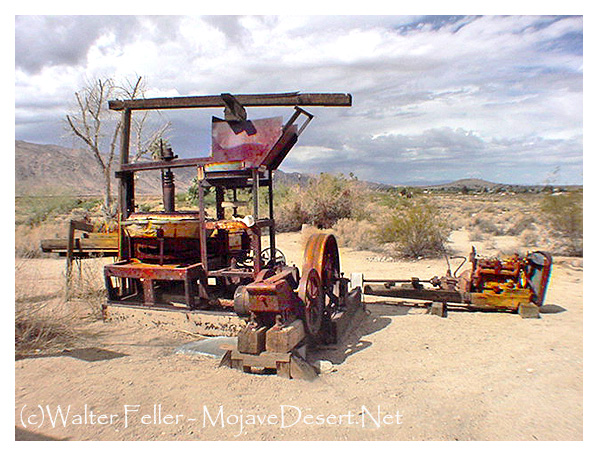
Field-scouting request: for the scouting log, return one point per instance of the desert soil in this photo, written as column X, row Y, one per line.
column 401, row 374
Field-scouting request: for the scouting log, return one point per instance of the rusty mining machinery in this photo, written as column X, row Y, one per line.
column 211, row 259
column 515, row 283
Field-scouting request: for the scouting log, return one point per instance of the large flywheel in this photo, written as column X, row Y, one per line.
column 311, row 294
column 321, row 256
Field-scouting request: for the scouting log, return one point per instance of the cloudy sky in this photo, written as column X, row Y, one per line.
column 435, row 98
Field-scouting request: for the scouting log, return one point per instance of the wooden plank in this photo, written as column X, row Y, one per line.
column 263, row 360
column 300, row 369
column 81, row 244
column 414, row 294
column 203, row 322
column 216, row 101
column 439, row 309
column 284, row 370
column 251, row 340
column 284, row 339
column 127, row 168
column 529, row 311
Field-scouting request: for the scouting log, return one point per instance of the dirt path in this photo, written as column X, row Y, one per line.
column 402, row 375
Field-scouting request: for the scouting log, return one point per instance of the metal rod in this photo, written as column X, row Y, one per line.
column 271, row 216
column 394, row 280
column 255, row 186
column 202, row 220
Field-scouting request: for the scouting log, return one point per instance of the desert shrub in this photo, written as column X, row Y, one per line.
column 87, row 286
column 32, row 211
column 355, row 234
column 418, row 231
column 476, row 235
column 37, row 329
column 520, row 225
column 290, row 216
column 564, row 213
column 39, row 322
column 392, row 198
column 28, row 238
column 486, row 225
column 191, row 196
column 323, row 202
column 529, row 237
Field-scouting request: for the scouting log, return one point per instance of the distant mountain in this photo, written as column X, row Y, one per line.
column 467, row 182
column 47, row 169
column 281, row 178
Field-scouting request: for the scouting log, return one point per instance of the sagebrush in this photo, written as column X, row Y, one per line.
column 417, row 230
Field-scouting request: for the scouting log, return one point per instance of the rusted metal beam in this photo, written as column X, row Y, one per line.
column 216, row 101
column 161, row 164
column 437, row 295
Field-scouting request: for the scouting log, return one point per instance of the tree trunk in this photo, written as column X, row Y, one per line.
column 108, row 210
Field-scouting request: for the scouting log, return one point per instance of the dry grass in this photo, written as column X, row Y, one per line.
column 42, row 320
column 37, row 327
column 87, row 286
column 358, row 235
column 28, row 238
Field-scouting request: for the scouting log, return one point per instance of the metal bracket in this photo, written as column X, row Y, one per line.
column 234, row 111
column 299, row 111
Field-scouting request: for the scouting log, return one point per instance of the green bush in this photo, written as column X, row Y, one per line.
column 323, row 202
column 417, row 230
column 564, row 215
column 33, row 211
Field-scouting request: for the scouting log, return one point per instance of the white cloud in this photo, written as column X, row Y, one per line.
column 413, row 79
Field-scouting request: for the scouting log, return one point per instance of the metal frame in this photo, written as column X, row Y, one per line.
column 135, row 277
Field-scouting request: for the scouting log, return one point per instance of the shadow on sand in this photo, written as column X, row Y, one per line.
column 86, row 354
column 377, row 317
column 25, row 435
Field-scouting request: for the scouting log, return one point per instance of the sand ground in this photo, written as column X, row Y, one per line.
column 401, row 375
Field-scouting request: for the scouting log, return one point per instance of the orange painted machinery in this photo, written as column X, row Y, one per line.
column 514, row 283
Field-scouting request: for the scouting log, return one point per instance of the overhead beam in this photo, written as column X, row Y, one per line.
column 216, row 101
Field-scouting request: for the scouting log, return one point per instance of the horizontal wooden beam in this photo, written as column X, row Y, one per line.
column 216, row 101
column 162, row 164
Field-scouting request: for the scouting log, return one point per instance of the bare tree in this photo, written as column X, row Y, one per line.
column 98, row 128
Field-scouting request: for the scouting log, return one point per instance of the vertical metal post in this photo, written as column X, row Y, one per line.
column 202, row 220
column 271, row 216
column 220, row 197
column 69, row 271
column 168, row 190
column 126, row 182
column 255, row 186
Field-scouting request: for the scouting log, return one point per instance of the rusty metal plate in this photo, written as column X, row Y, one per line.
column 244, row 140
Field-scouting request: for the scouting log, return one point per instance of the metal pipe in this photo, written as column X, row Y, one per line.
column 168, row 191
column 255, row 187
column 392, row 281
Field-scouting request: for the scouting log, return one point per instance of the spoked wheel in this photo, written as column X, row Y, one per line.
column 267, row 259
column 311, row 293
column 321, row 254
